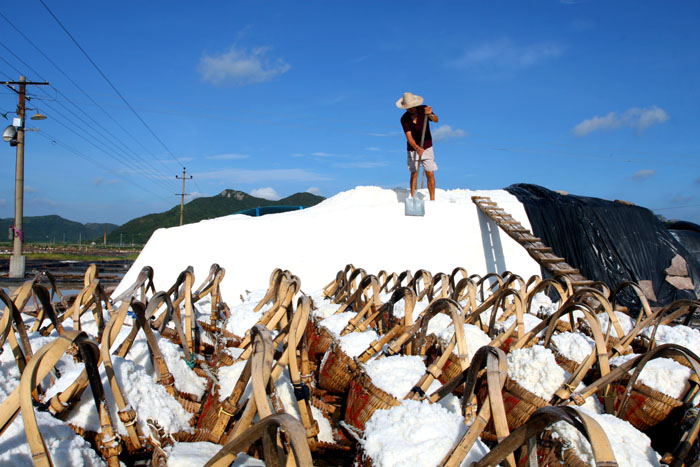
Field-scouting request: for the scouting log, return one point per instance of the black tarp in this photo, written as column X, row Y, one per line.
column 607, row 241
column 688, row 234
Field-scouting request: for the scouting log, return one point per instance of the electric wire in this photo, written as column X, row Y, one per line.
column 143, row 170
column 135, row 159
column 110, row 83
column 80, row 89
column 71, row 149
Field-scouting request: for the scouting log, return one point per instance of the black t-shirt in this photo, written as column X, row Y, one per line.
column 416, row 129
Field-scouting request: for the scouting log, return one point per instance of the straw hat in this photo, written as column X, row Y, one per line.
column 409, row 100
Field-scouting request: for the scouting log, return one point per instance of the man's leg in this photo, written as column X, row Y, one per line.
column 431, row 184
column 414, row 182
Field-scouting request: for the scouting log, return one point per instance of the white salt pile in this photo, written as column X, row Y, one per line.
column 397, row 374
column 65, row 447
column 199, row 453
column 536, row 370
column 285, row 391
column 625, row 320
column 355, row 343
column 631, row 447
column 324, row 309
column 681, row 335
column 337, row 322
column 663, row 374
column 200, row 244
column 415, row 433
column 573, row 345
column 542, row 305
column 474, row 337
column 530, row 322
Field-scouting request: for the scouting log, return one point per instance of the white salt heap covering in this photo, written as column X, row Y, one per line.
column 663, row 374
column 681, row 335
column 200, row 244
column 530, row 322
column 536, row 370
column 243, row 317
column 415, row 434
column 325, row 309
column 355, row 343
column 400, row 308
column 337, row 322
column 285, row 391
column 228, row 377
column 573, row 345
column 541, row 304
column 199, row 453
column 631, row 447
column 473, row 335
column 66, row 448
column 397, row 374
column 149, row 400
column 626, row 323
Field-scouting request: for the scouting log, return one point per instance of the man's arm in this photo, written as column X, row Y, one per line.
column 431, row 116
column 413, row 144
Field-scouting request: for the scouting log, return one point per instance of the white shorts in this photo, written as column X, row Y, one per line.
column 428, row 160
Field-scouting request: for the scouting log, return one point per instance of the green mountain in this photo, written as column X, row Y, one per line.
column 44, row 229
column 227, row 202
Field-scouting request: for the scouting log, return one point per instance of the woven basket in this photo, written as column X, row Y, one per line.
column 337, row 370
column 519, row 404
column 646, row 406
column 318, row 341
column 364, row 398
column 565, row 363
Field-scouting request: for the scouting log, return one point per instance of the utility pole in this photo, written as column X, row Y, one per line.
column 17, row 260
column 182, row 195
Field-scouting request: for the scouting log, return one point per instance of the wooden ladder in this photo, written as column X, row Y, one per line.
column 534, row 246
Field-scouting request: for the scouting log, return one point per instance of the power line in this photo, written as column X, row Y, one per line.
column 110, row 83
column 79, row 88
column 83, row 134
column 47, row 136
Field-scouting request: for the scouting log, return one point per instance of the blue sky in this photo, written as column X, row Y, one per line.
column 595, row 98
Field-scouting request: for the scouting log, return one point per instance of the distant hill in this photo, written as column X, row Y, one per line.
column 39, row 229
column 227, row 202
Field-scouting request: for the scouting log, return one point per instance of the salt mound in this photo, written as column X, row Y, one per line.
column 631, row 447
column 536, row 370
column 254, row 252
column 415, row 433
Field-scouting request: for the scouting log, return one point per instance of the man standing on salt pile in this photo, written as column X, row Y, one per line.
column 412, row 122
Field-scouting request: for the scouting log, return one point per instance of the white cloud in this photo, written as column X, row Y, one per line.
column 30, row 189
column 266, row 193
column 3, row 201
column 322, row 154
column 314, row 190
column 636, row 117
column 444, row 132
column 227, row 157
column 262, row 176
column 240, row 66
column 506, row 54
column 644, row 174
column 372, row 149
